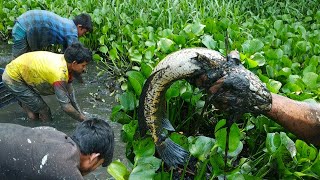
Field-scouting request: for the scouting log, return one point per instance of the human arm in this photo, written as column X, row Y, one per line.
column 300, row 118
column 240, row 91
column 68, row 103
column 73, row 97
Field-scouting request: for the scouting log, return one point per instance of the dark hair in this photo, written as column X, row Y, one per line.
column 95, row 136
column 84, row 20
column 77, row 52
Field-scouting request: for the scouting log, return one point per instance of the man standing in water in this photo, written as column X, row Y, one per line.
column 44, row 73
column 36, row 29
column 45, row 153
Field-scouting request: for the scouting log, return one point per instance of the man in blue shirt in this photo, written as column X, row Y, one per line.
column 36, row 29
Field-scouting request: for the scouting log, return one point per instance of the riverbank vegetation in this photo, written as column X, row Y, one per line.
column 278, row 40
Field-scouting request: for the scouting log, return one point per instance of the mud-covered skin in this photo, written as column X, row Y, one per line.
column 202, row 68
column 240, row 90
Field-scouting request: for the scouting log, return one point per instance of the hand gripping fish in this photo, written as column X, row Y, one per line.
column 201, row 67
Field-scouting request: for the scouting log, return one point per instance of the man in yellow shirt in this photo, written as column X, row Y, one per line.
column 45, row 73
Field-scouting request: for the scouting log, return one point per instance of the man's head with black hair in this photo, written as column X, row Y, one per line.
column 83, row 23
column 95, row 137
column 77, row 52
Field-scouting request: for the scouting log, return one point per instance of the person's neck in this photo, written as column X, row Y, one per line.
column 69, row 65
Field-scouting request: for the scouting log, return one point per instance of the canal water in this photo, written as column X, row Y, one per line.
column 93, row 98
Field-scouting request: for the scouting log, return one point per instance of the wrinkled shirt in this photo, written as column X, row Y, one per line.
column 44, row 28
column 37, row 153
column 45, row 72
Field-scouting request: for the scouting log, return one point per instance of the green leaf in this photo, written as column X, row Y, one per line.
column 146, row 69
column 96, row 57
column 303, row 46
column 310, row 79
column 136, row 80
column 289, row 144
column 119, row 116
column 150, row 160
column 180, row 139
column 113, row 54
column 309, row 68
column 252, row 46
column 165, row 45
column 291, row 88
column 259, row 58
column 234, row 136
column 274, row 86
column 251, row 63
column 118, row 170
column 143, row 148
column 127, row 101
column 200, row 146
column 179, row 39
column 285, row 72
column 278, row 25
column 103, row 49
column 270, row 71
column 276, row 54
column 273, row 142
column 172, row 92
column 144, row 171
column 129, row 130
column 135, row 55
column 305, row 151
column 209, row 42
column 196, row 29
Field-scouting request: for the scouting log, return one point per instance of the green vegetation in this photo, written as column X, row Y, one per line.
column 278, row 41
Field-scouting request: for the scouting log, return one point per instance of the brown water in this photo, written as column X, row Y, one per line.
column 94, row 100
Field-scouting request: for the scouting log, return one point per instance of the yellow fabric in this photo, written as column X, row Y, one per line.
column 39, row 69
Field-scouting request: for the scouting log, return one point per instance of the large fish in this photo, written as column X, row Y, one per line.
column 201, row 67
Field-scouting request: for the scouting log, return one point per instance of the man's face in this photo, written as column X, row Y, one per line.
column 81, row 30
column 79, row 68
column 86, row 168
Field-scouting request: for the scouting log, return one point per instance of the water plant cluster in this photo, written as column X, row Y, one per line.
column 278, row 40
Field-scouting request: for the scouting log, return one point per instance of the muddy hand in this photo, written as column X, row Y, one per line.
column 240, row 90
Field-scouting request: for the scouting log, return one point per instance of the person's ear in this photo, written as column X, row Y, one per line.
column 94, row 157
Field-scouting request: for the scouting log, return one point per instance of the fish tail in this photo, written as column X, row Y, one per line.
column 167, row 125
column 172, row 153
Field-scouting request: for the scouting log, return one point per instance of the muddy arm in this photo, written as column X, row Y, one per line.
column 72, row 112
column 67, row 103
column 73, row 97
column 300, row 118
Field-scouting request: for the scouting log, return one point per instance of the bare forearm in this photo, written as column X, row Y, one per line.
column 71, row 111
column 302, row 119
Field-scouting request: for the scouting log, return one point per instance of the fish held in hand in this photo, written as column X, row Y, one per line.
column 203, row 68
column 188, row 64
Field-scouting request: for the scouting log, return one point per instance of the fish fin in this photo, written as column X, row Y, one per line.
column 167, row 124
column 172, row 154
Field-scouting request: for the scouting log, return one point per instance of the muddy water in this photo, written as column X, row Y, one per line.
column 94, row 100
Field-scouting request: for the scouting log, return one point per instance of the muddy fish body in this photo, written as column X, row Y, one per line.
column 186, row 63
